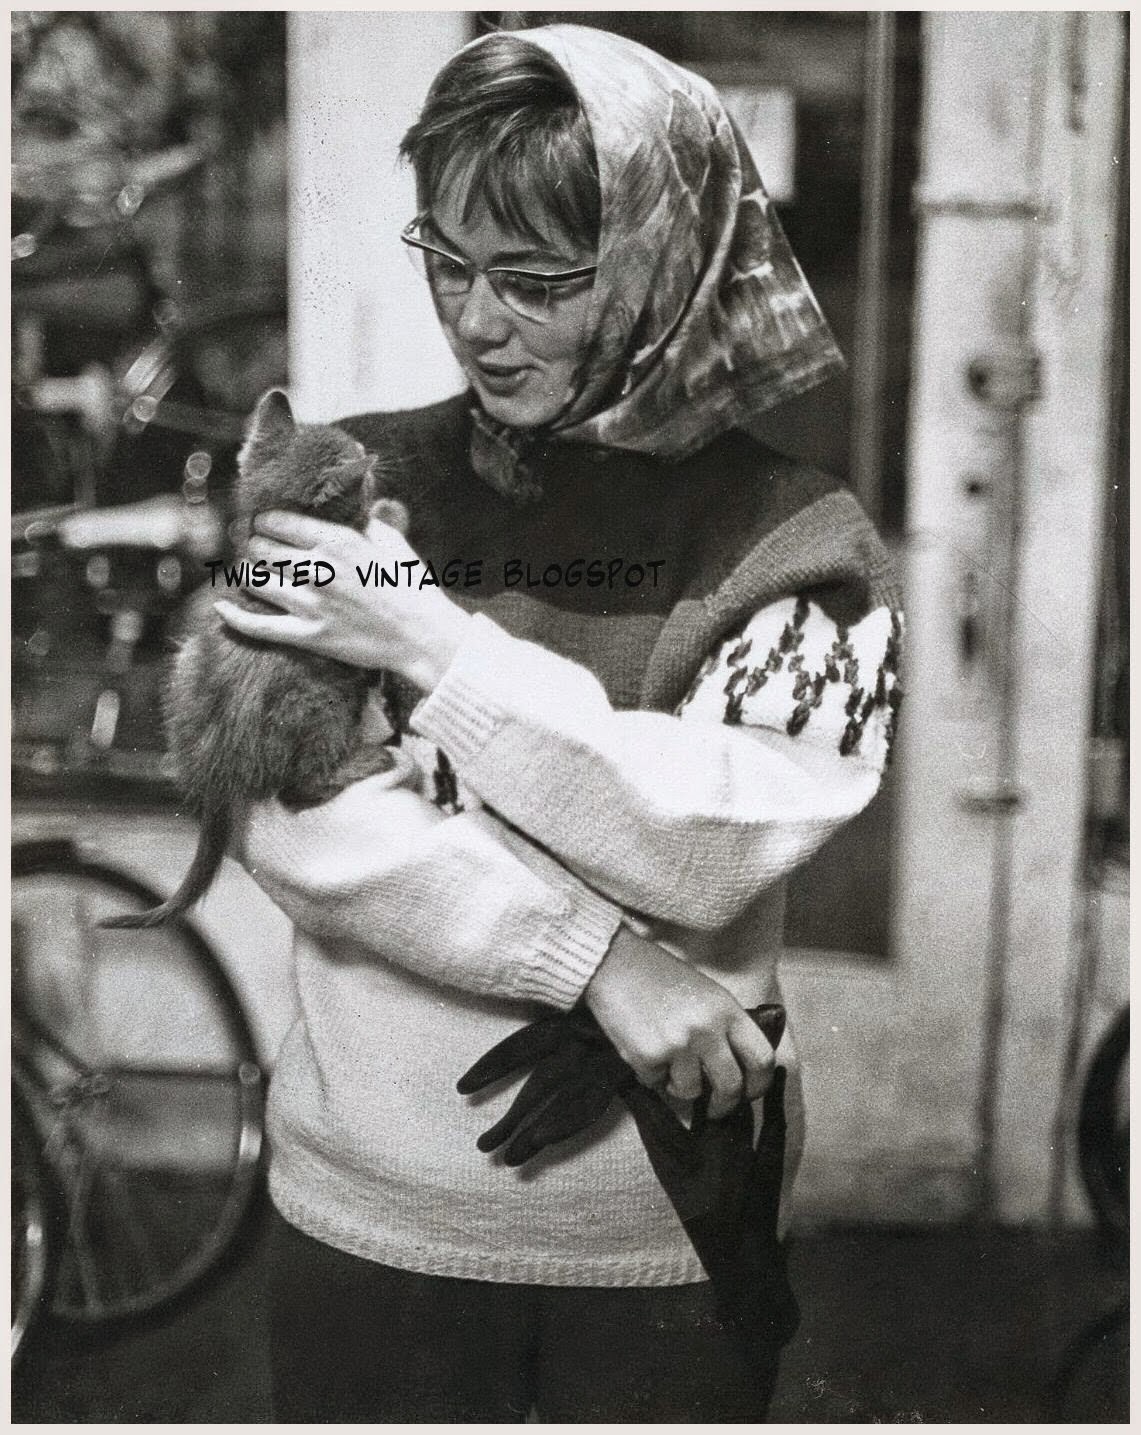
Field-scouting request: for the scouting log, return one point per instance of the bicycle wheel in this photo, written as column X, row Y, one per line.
column 143, row 1079
column 1103, row 1130
column 29, row 1268
column 1092, row 1383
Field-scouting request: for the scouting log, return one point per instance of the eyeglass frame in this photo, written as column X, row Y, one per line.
column 474, row 271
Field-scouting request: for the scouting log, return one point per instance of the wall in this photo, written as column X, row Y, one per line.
column 363, row 334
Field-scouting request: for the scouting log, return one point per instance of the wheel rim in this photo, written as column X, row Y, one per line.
column 145, row 1089
column 1103, row 1129
column 29, row 1251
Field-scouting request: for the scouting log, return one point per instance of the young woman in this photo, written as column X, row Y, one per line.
column 666, row 675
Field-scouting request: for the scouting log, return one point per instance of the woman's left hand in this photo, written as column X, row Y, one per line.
column 407, row 629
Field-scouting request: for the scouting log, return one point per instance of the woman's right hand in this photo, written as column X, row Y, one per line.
column 673, row 1025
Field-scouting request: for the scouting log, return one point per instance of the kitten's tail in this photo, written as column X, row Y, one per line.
column 213, row 839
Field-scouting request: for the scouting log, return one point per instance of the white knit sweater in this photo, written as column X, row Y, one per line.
column 425, row 936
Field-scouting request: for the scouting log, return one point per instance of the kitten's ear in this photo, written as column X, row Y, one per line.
column 343, row 478
column 271, row 428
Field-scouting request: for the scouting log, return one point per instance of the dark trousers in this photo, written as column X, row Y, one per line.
column 357, row 1341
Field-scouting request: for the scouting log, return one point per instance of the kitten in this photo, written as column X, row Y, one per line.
column 248, row 720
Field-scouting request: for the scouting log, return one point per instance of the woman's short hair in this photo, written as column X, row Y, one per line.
column 507, row 114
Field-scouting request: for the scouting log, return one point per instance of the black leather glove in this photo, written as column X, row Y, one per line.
column 725, row 1189
column 727, row 1196
column 575, row 1075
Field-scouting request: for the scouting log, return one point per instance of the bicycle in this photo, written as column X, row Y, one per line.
column 1095, row 1362
column 158, row 407
column 1103, row 1130
column 94, row 594
column 137, row 1099
column 136, row 1089
column 88, row 295
column 29, row 1251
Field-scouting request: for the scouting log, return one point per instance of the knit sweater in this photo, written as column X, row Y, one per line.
column 597, row 749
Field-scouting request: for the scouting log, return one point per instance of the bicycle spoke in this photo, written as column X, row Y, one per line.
column 28, row 1033
column 77, row 1191
column 133, row 1228
column 86, row 924
column 223, row 1075
column 134, row 1233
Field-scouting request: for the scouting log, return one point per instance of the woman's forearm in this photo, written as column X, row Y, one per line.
column 469, row 904
column 461, row 900
column 687, row 817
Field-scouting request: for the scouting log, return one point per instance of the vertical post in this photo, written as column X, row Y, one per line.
column 1065, row 449
column 868, row 357
column 1008, row 465
column 977, row 206
column 362, row 331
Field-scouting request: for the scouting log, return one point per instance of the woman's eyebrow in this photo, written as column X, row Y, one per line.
column 507, row 256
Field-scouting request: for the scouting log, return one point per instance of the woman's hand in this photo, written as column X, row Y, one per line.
column 674, row 1025
column 409, row 630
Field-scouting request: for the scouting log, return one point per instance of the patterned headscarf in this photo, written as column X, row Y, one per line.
column 700, row 315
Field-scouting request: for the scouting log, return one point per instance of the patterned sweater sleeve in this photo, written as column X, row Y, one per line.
column 459, row 899
column 683, row 817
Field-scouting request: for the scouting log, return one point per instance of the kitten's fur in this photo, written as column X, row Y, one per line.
column 246, row 719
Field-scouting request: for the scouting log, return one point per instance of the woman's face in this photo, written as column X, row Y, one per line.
column 524, row 372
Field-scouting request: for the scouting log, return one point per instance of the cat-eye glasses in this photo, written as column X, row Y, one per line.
column 530, row 294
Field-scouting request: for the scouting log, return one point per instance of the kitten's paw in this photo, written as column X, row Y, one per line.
column 368, row 760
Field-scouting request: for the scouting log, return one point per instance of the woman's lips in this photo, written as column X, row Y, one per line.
column 501, row 379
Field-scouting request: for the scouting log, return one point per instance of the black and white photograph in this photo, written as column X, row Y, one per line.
column 569, row 716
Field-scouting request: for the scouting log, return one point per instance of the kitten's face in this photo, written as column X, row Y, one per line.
column 312, row 468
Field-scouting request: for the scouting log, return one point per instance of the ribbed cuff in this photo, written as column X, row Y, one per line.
column 570, row 951
column 461, row 714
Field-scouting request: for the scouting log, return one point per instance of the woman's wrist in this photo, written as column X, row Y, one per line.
column 678, row 1029
column 630, row 961
column 438, row 642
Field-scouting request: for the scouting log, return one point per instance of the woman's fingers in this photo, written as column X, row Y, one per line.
column 268, row 550
column 685, row 1077
column 270, row 627
column 301, row 601
column 736, row 1067
column 726, row 1080
column 297, row 529
column 663, row 1015
column 754, row 1053
column 731, row 1071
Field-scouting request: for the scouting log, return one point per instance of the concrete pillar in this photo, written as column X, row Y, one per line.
column 362, row 331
